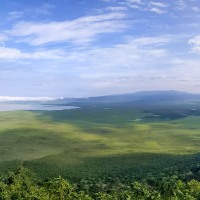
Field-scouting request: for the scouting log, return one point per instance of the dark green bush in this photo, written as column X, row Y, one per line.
column 22, row 185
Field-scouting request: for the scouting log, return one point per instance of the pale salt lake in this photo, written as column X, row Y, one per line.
column 12, row 106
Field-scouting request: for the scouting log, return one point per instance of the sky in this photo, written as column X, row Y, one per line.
column 80, row 48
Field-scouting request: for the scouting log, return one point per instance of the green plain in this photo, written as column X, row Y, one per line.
column 97, row 140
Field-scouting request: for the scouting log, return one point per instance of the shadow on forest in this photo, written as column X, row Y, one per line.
column 86, row 115
column 130, row 166
column 80, row 159
column 117, row 114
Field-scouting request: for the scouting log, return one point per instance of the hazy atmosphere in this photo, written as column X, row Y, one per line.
column 76, row 48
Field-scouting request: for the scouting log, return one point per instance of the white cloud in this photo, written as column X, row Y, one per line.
column 181, row 5
column 159, row 40
column 15, row 15
column 195, row 43
column 116, row 8
column 157, row 10
column 142, row 63
column 152, row 6
column 124, row 53
column 178, row 75
column 132, row 54
column 134, row 1
column 196, row 9
column 9, row 53
column 8, row 98
column 3, row 38
column 187, row 5
column 81, row 30
column 158, row 4
column 44, row 9
column 12, row 54
column 107, row 0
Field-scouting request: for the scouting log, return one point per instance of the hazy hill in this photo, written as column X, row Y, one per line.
column 144, row 96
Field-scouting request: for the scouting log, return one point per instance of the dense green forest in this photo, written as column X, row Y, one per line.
column 23, row 184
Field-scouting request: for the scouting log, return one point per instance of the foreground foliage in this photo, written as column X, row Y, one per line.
column 22, row 184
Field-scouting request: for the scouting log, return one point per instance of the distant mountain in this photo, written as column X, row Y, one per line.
column 144, row 96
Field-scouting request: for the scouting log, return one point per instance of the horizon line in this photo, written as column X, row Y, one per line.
column 45, row 98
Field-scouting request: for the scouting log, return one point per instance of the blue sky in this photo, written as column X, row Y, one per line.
column 76, row 48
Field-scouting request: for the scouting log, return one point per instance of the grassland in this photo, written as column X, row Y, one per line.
column 93, row 141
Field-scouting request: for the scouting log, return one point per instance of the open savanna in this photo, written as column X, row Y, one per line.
column 95, row 141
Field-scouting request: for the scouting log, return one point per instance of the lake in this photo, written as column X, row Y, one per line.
column 13, row 106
